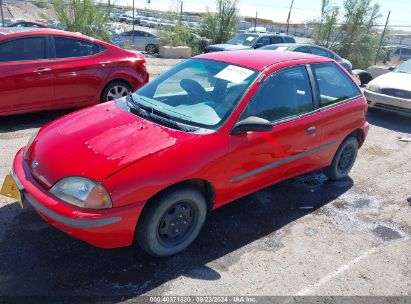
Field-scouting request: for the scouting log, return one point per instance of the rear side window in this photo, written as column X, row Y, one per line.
column 22, row 49
column 284, row 94
column 321, row 52
column 333, row 84
column 289, row 39
column 72, row 47
column 302, row 49
column 276, row 39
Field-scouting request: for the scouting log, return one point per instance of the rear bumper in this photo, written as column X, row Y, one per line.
column 388, row 103
column 105, row 228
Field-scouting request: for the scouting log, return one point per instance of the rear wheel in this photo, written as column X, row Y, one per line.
column 171, row 222
column 343, row 159
column 115, row 90
column 151, row 49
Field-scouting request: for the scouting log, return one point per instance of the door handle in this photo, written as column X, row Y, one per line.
column 42, row 70
column 310, row 130
column 105, row 62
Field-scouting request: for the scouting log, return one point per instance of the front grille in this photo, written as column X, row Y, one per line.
column 392, row 108
column 397, row 93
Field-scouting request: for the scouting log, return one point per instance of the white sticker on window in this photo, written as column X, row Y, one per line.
column 251, row 38
column 281, row 48
column 234, row 74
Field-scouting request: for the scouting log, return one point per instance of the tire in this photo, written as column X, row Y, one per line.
column 171, row 222
column 151, row 49
column 115, row 90
column 343, row 160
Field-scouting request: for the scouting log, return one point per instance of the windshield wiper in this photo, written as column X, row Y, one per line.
column 135, row 106
column 153, row 114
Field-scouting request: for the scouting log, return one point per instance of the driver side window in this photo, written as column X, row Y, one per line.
column 284, row 94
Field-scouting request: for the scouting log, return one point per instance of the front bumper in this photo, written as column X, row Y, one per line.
column 105, row 228
column 388, row 103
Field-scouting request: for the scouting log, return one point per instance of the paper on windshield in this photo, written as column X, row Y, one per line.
column 251, row 38
column 234, row 74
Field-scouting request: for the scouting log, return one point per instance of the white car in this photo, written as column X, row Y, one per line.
column 391, row 91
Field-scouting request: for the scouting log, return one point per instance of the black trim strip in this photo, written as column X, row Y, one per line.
column 68, row 221
column 281, row 162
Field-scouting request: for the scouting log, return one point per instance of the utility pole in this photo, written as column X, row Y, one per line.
column 133, row 21
column 382, row 37
column 255, row 22
column 289, row 15
column 1, row 10
column 181, row 11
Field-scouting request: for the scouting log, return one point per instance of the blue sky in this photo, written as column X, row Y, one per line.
column 277, row 10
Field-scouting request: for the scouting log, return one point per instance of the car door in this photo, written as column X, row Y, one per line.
column 291, row 148
column 262, row 41
column 26, row 82
column 80, row 70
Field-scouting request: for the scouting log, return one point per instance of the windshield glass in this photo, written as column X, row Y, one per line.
column 243, row 39
column 197, row 92
column 405, row 67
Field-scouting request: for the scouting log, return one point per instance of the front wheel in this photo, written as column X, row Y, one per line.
column 171, row 222
column 343, row 160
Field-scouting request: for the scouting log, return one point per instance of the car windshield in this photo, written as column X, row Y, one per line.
column 405, row 67
column 197, row 92
column 243, row 39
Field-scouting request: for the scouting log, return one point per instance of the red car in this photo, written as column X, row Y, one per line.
column 146, row 168
column 45, row 69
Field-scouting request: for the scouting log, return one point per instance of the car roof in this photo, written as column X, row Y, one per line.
column 260, row 60
column 25, row 31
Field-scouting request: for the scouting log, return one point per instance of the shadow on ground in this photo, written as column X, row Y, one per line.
column 389, row 120
column 28, row 121
column 36, row 259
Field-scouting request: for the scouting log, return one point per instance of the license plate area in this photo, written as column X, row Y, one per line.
column 11, row 189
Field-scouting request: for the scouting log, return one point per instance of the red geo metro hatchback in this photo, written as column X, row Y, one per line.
column 45, row 69
column 147, row 167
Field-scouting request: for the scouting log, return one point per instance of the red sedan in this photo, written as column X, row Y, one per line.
column 45, row 69
column 146, row 168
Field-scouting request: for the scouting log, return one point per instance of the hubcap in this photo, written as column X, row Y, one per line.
column 346, row 159
column 176, row 224
column 116, row 92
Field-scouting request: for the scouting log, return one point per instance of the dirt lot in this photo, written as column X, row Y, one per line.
column 305, row 236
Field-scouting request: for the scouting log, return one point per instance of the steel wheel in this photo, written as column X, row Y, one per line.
column 171, row 221
column 346, row 159
column 176, row 224
column 343, row 159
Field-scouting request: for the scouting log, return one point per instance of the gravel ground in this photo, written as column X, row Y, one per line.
column 305, row 236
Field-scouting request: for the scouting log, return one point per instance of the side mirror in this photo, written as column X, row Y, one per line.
column 391, row 68
column 252, row 124
column 258, row 45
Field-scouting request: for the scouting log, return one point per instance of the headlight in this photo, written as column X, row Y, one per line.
column 82, row 192
column 373, row 87
column 30, row 142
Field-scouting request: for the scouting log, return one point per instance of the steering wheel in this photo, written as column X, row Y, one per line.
column 194, row 90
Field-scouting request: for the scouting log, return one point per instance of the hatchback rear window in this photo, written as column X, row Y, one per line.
column 333, row 84
column 23, row 49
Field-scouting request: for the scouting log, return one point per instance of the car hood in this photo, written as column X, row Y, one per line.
column 95, row 143
column 394, row 80
column 227, row 47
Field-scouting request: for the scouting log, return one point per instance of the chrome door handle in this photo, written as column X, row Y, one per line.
column 105, row 62
column 310, row 130
column 42, row 70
